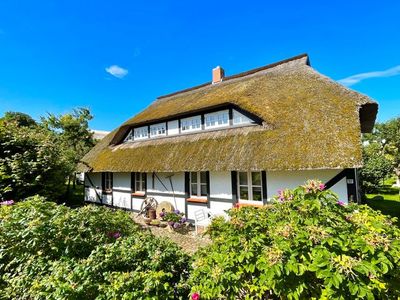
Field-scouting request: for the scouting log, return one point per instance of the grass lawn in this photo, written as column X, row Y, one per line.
column 387, row 200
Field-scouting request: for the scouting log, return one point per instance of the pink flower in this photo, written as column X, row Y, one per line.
column 321, row 186
column 196, row 296
column 115, row 234
column 9, row 202
column 341, row 203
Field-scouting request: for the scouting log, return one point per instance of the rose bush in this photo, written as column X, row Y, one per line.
column 50, row 251
column 307, row 244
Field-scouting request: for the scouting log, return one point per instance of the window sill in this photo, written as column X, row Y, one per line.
column 139, row 194
column 197, row 200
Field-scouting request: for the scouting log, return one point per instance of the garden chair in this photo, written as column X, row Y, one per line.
column 202, row 217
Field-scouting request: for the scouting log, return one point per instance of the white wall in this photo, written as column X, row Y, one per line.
column 107, row 199
column 173, row 127
column 220, row 185
column 165, row 193
column 220, row 188
column 192, row 208
column 219, row 208
column 122, row 199
column 277, row 180
column 178, row 182
column 90, row 191
column 122, row 181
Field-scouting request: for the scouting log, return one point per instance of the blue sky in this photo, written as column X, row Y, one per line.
column 116, row 57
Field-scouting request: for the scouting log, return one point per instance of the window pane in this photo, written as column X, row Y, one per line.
column 193, row 189
column 203, row 189
column 137, row 186
column 143, row 181
column 243, row 178
column 257, row 195
column 193, row 177
column 256, row 178
column 244, row 192
column 203, row 177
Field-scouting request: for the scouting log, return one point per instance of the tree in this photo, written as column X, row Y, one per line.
column 377, row 165
column 389, row 133
column 37, row 157
column 21, row 119
column 74, row 135
column 30, row 160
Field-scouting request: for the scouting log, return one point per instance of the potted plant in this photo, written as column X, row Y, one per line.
column 175, row 219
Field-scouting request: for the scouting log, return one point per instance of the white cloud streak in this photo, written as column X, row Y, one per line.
column 117, row 71
column 351, row 80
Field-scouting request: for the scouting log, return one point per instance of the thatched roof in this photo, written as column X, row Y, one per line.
column 309, row 122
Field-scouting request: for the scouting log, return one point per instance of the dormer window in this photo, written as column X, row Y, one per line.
column 239, row 118
column 191, row 124
column 217, row 119
column 157, row 130
column 129, row 137
column 214, row 120
column 141, row 133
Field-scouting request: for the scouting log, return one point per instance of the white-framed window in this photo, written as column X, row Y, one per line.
column 140, row 182
column 198, row 184
column 217, row 119
column 239, row 118
column 108, row 182
column 129, row 137
column 250, row 186
column 191, row 124
column 157, row 129
column 141, row 133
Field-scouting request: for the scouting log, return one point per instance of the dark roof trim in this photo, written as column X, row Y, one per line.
column 243, row 74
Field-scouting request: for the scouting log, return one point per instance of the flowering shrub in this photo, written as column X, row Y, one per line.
column 174, row 218
column 50, row 251
column 7, row 202
column 306, row 245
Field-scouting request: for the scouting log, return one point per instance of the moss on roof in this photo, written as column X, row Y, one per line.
column 310, row 122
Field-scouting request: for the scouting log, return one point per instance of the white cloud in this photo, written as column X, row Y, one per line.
column 348, row 81
column 117, row 71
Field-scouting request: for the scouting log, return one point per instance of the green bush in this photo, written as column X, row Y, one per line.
column 50, row 251
column 378, row 198
column 305, row 245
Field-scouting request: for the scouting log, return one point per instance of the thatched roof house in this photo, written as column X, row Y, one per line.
column 300, row 120
column 307, row 121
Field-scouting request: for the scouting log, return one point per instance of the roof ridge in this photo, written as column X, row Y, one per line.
column 241, row 74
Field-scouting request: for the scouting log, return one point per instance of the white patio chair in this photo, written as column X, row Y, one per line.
column 202, row 217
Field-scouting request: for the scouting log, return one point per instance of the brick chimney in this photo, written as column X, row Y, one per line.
column 217, row 74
